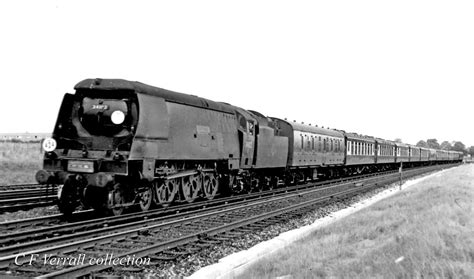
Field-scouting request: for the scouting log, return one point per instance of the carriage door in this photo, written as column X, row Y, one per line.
column 247, row 141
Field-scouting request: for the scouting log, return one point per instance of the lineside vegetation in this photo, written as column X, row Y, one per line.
column 19, row 161
column 426, row 231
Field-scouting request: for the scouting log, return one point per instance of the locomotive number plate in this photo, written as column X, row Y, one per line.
column 80, row 166
column 101, row 107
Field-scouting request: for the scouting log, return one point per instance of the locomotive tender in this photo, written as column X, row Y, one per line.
column 118, row 143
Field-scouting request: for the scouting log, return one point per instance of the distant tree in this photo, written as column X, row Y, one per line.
column 445, row 145
column 471, row 151
column 422, row 143
column 459, row 146
column 398, row 140
column 433, row 143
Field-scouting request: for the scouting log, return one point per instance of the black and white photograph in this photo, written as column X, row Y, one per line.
column 236, row 139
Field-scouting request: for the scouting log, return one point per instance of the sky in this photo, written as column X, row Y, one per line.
column 390, row 69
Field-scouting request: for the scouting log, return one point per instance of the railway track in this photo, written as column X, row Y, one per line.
column 57, row 219
column 47, row 221
column 24, row 186
column 158, row 236
column 26, row 196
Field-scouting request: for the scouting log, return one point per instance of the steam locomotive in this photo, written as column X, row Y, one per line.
column 118, row 143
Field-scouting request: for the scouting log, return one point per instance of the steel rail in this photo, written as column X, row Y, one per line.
column 19, row 186
column 26, row 203
column 22, row 193
column 20, row 197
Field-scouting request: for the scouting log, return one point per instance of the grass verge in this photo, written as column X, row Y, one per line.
column 19, row 162
column 425, row 231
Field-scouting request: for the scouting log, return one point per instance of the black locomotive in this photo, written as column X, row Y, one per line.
column 118, row 143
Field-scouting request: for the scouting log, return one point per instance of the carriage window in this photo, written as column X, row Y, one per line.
column 302, row 141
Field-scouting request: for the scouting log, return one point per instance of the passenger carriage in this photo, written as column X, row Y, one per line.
column 360, row 152
column 415, row 153
column 402, row 152
column 312, row 150
column 385, row 151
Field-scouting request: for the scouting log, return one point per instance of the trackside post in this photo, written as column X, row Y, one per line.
column 400, row 170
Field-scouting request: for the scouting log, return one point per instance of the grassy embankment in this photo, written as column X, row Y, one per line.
column 19, row 162
column 426, row 231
